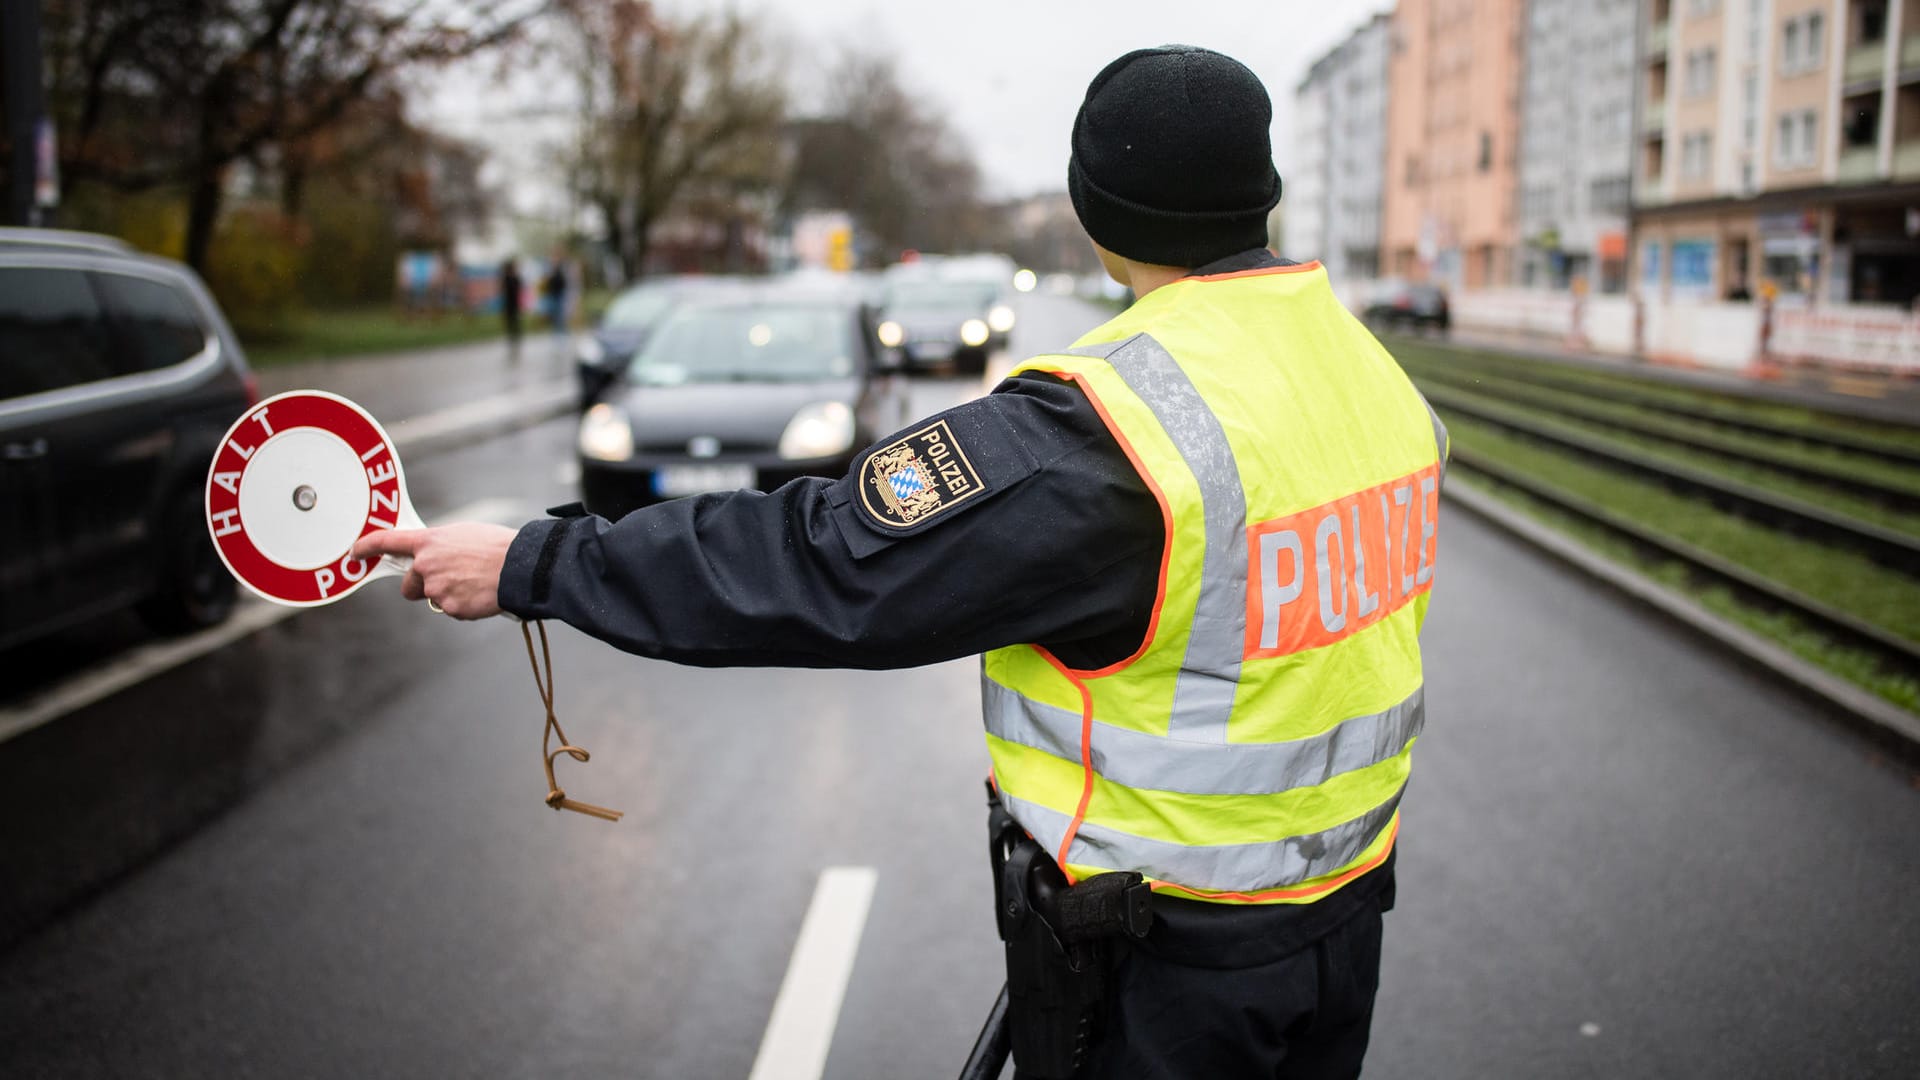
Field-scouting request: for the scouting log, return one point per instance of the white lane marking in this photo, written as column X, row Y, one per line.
column 800, row 1032
column 143, row 662
column 458, row 420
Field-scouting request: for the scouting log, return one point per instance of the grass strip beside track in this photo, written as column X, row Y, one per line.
column 1855, row 665
column 1844, row 579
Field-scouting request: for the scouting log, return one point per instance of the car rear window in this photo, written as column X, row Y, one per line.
column 52, row 332
column 158, row 326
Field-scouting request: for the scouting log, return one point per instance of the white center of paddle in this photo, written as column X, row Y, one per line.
column 318, row 534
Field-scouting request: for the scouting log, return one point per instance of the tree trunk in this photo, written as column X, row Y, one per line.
column 293, row 184
column 203, row 211
column 640, row 242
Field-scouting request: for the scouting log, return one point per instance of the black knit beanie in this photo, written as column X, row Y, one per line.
column 1171, row 159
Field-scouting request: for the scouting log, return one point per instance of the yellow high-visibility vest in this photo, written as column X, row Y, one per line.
column 1255, row 747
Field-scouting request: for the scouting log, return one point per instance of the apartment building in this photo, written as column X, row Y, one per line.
column 1576, row 143
column 1778, row 145
column 1333, row 190
column 1449, row 211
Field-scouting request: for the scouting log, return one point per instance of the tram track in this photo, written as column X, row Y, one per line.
column 1672, row 431
column 1889, row 547
column 1710, row 408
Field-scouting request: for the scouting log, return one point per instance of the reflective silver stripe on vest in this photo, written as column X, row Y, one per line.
column 1218, row 867
column 1139, row 760
column 1203, row 692
column 1439, row 434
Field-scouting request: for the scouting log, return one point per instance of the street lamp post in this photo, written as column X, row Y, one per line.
column 31, row 189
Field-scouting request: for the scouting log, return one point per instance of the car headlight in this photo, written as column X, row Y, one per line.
column 1025, row 280
column 589, row 351
column 973, row 332
column 605, row 434
column 822, row 429
column 890, row 334
column 1000, row 319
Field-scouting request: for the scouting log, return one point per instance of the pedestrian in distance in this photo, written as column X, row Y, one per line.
column 1217, row 515
column 553, row 295
column 511, row 287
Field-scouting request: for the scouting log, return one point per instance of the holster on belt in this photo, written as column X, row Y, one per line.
column 1059, row 943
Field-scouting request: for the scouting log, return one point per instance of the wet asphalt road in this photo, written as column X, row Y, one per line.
column 1623, row 855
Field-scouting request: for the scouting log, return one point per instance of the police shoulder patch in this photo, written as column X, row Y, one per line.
column 917, row 477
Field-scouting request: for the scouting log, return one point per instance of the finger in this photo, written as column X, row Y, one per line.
column 413, row 586
column 389, row 542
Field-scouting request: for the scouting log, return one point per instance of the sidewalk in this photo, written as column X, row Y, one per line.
column 398, row 386
column 1885, row 399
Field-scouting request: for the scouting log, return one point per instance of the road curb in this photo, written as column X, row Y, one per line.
column 1877, row 717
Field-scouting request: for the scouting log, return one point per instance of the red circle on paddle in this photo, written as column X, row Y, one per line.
column 297, row 479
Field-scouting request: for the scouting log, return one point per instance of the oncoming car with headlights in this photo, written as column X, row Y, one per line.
column 748, row 388
column 938, row 321
column 603, row 352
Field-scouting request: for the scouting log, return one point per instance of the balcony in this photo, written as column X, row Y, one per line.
column 1906, row 159
column 1858, row 164
column 1653, row 117
column 1910, row 52
column 1657, row 39
column 1865, row 63
column 1649, row 192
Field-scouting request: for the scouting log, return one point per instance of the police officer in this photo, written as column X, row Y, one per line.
column 1195, row 550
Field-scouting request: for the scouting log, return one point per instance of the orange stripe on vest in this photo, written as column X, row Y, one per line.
column 1325, row 574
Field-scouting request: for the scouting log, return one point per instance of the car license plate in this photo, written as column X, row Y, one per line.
column 933, row 350
column 676, row 480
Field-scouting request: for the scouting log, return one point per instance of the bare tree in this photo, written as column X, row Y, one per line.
column 670, row 108
column 890, row 159
column 151, row 93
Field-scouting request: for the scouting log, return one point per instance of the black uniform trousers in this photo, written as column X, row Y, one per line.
column 1305, row 1015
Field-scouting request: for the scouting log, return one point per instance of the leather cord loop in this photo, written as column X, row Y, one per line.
column 557, row 795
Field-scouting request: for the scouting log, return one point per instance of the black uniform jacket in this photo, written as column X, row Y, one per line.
column 1042, row 532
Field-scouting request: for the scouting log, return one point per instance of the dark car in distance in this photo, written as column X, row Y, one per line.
column 604, row 351
column 118, row 378
column 747, row 387
column 1405, row 306
column 941, row 321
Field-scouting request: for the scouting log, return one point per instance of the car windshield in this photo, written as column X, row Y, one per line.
column 748, row 343
column 940, row 296
column 638, row 309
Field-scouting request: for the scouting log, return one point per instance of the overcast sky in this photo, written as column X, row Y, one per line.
column 1008, row 74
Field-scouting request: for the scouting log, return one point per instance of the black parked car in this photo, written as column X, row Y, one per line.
column 940, row 320
column 606, row 350
column 1402, row 305
column 118, row 376
column 743, row 388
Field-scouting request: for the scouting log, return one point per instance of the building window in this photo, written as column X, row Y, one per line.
column 1486, row 151
column 1795, row 145
column 1802, row 43
column 1700, row 8
column 1700, row 69
column 1609, row 196
column 1696, row 155
column 1413, row 171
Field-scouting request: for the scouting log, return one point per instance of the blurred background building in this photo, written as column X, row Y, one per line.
column 1792, row 158
column 1452, row 141
column 1576, row 143
column 1333, row 193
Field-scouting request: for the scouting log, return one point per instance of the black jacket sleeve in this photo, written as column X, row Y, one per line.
column 1062, row 547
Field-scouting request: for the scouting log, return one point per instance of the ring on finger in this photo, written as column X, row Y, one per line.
column 434, row 606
